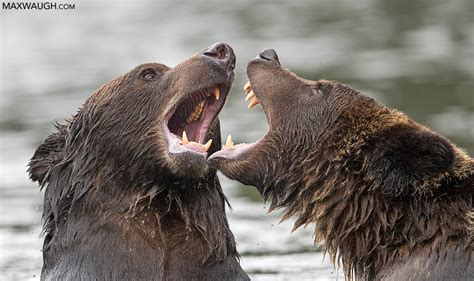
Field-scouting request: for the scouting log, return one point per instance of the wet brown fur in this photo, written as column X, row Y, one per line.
column 390, row 199
column 117, row 206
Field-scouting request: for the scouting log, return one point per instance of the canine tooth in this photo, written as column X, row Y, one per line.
column 250, row 95
column 207, row 145
column 217, row 93
column 253, row 102
column 184, row 139
column 247, row 87
column 229, row 143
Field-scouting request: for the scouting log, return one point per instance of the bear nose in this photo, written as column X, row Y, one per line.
column 222, row 53
column 269, row 55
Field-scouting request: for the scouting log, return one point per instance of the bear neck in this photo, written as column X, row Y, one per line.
column 359, row 226
column 184, row 217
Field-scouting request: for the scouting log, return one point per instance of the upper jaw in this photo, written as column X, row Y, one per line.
column 241, row 150
column 257, row 68
column 256, row 95
column 259, row 59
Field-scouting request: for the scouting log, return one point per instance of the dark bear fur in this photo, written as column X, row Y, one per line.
column 118, row 205
column 390, row 199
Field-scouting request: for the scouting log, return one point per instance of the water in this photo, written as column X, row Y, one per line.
column 417, row 56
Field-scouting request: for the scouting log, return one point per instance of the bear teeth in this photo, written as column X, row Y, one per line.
column 250, row 95
column 196, row 114
column 185, row 140
column 229, row 143
column 207, row 145
column 247, row 87
column 217, row 93
column 253, row 102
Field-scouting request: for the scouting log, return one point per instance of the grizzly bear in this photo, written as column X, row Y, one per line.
column 391, row 199
column 128, row 193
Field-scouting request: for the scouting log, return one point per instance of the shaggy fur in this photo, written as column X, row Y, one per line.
column 390, row 199
column 117, row 205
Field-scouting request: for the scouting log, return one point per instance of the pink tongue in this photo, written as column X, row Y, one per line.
column 191, row 130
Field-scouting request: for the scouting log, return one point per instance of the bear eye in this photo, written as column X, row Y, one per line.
column 148, row 74
column 321, row 89
column 318, row 91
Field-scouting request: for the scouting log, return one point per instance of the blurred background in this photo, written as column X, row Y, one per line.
column 413, row 55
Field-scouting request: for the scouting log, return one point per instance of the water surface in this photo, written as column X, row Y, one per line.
column 417, row 56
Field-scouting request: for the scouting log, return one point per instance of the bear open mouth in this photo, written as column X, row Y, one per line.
column 236, row 151
column 187, row 124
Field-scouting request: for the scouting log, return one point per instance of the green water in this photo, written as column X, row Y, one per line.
column 416, row 56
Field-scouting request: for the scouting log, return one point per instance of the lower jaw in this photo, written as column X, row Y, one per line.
column 236, row 152
column 195, row 127
column 175, row 145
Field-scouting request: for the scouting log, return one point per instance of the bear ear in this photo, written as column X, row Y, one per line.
column 47, row 155
column 407, row 160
